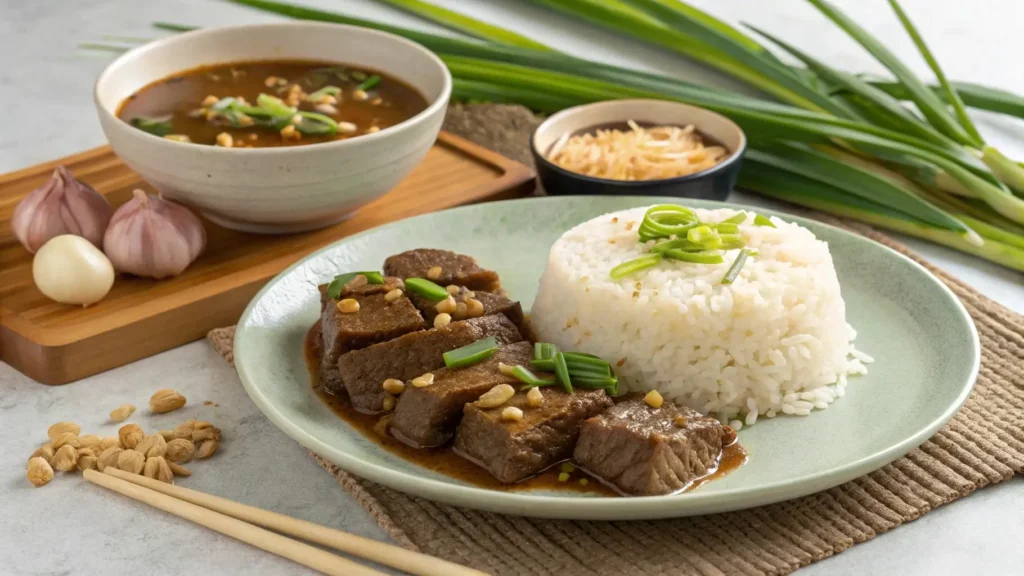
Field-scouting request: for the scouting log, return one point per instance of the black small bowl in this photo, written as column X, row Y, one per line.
column 714, row 183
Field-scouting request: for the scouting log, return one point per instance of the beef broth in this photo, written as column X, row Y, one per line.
column 193, row 106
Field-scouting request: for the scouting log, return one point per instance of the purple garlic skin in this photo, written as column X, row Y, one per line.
column 63, row 205
column 153, row 237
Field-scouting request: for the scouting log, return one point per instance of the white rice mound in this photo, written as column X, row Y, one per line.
column 774, row 341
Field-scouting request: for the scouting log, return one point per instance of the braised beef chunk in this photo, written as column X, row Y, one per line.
column 515, row 450
column 455, row 269
column 363, row 372
column 377, row 320
column 493, row 304
column 428, row 416
column 645, row 451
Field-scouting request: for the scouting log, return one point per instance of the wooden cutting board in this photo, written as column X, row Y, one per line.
column 56, row 343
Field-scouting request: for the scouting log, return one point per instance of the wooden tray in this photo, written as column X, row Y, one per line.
column 55, row 343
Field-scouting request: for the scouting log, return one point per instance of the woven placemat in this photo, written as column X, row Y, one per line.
column 983, row 444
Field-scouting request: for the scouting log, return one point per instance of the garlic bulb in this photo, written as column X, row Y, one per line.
column 70, row 270
column 63, row 205
column 153, row 237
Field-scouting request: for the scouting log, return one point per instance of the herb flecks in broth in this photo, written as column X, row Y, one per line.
column 274, row 103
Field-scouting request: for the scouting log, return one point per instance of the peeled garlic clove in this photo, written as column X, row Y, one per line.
column 70, row 270
column 63, row 205
column 153, row 237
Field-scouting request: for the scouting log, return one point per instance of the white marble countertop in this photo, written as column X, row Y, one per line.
column 70, row 527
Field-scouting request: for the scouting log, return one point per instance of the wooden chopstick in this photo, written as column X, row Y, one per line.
column 379, row 552
column 293, row 550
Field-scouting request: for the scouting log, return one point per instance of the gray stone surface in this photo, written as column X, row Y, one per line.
column 70, row 527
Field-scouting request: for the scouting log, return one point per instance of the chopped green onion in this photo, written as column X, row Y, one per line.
column 664, row 220
column 562, row 372
column 275, row 106
column 591, row 383
column 734, row 270
column 587, row 370
column 315, row 123
column 357, row 75
column 695, row 257
column 531, row 380
column 156, row 126
column 735, row 219
column 635, row 265
column 581, row 358
column 426, row 288
column 700, row 234
column 336, row 285
column 223, row 103
column 713, row 242
column 543, row 364
column 677, row 244
column 731, row 242
column 763, row 221
column 468, row 355
column 370, row 83
column 325, row 91
column 576, row 368
column 727, row 228
column 544, row 351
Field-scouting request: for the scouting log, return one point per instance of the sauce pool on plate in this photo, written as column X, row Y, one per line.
column 271, row 103
column 443, row 460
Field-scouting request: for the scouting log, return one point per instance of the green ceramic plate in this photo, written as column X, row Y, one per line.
column 924, row 344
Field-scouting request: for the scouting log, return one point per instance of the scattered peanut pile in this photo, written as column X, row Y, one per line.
column 161, row 455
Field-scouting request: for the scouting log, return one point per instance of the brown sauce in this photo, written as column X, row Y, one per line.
column 178, row 100
column 445, row 461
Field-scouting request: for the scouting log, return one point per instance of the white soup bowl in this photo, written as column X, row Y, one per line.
column 287, row 189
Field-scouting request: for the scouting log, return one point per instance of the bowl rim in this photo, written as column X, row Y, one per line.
column 722, row 166
column 424, row 115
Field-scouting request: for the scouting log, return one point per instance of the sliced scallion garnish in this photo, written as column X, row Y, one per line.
column 358, row 75
column 275, row 106
column 468, row 355
column 594, row 383
column 315, row 123
column 735, row 219
column 727, row 228
column 325, row 91
column 635, row 265
column 581, row 358
column 223, row 103
column 734, row 270
column 370, row 83
column 562, row 372
column 668, row 219
column 695, row 257
column 700, row 234
column 160, row 126
column 677, row 244
column 338, row 283
column 426, row 288
column 763, row 221
column 530, row 379
column 544, row 351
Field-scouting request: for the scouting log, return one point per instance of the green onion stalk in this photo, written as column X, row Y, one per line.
column 847, row 144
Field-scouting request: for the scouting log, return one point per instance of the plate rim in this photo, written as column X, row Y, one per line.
column 577, row 508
